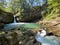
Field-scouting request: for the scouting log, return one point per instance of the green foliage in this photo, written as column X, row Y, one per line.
column 52, row 9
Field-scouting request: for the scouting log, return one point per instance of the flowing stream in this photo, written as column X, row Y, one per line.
column 20, row 24
column 14, row 20
column 43, row 40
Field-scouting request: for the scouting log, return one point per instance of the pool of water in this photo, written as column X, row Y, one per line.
column 19, row 25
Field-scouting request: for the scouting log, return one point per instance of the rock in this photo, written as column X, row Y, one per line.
column 52, row 26
column 18, row 38
column 6, row 17
column 29, row 38
column 30, row 15
column 9, row 39
column 1, row 25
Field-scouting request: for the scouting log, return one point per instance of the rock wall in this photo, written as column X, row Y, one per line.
column 30, row 15
column 6, row 17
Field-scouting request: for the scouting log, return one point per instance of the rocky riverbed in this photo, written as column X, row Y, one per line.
column 18, row 38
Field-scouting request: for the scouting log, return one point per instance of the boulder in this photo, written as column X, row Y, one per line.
column 9, row 39
column 6, row 17
column 18, row 38
column 53, row 27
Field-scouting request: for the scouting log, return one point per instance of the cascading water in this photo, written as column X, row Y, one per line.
column 15, row 25
column 47, row 40
column 14, row 20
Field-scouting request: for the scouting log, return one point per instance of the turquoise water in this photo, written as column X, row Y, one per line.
column 30, row 25
column 19, row 25
column 15, row 25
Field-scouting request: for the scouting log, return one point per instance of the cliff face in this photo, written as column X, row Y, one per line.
column 5, row 17
column 30, row 15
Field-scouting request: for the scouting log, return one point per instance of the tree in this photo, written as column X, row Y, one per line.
column 52, row 8
column 2, row 4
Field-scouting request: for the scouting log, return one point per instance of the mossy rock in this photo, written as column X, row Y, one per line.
column 6, row 17
column 10, row 38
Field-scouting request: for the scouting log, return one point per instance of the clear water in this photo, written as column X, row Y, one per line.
column 48, row 40
column 21, row 24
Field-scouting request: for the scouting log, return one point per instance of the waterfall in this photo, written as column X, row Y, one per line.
column 18, row 25
column 14, row 20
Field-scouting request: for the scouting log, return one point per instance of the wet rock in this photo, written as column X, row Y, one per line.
column 6, row 17
column 28, row 38
column 9, row 39
column 1, row 25
column 18, row 38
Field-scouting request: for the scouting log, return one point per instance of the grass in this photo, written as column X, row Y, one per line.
column 49, row 17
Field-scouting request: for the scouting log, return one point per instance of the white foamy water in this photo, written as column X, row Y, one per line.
column 48, row 40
